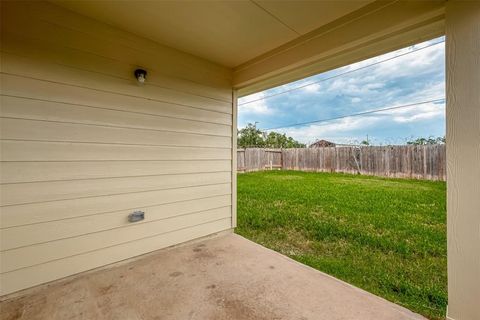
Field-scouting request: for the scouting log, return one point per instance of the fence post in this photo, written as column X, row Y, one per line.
column 281, row 158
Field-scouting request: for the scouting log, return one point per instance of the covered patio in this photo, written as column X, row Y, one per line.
column 225, row 277
column 118, row 139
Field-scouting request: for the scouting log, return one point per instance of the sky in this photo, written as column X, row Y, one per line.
column 411, row 78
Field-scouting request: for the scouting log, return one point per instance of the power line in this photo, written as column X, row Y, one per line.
column 341, row 74
column 355, row 114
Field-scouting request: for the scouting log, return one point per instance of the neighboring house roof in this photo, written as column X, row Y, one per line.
column 322, row 144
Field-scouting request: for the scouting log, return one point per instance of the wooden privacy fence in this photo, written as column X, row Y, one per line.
column 417, row 162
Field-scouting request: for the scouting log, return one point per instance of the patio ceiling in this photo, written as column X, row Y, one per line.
column 226, row 32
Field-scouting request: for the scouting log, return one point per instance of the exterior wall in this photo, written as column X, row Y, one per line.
column 463, row 158
column 83, row 145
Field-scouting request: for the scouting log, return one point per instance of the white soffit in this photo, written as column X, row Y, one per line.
column 226, row 32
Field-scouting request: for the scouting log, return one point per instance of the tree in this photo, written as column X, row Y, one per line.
column 278, row 140
column 365, row 143
column 251, row 137
column 426, row 141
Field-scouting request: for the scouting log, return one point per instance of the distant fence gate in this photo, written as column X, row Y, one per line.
column 417, row 162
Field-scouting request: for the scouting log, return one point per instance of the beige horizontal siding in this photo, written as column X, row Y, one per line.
column 66, row 151
column 16, row 86
column 14, row 259
column 49, row 110
column 83, row 145
column 41, row 130
column 24, row 45
column 34, row 275
column 26, row 235
column 53, row 210
column 14, row 194
column 20, row 172
column 52, row 72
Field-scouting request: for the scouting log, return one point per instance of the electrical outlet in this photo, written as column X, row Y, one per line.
column 136, row 216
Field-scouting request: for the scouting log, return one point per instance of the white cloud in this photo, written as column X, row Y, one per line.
column 255, row 104
column 313, row 88
column 332, row 130
column 403, row 64
column 429, row 92
column 419, row 112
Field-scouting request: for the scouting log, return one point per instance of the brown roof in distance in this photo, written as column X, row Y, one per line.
column 322, row 144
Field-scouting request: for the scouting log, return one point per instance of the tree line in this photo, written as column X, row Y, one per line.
column 251, row 137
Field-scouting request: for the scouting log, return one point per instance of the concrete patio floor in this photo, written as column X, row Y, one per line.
column 227, row 277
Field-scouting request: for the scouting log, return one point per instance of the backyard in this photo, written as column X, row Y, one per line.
column 387, row 236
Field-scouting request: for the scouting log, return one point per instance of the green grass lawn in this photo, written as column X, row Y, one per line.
column 387, row 236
